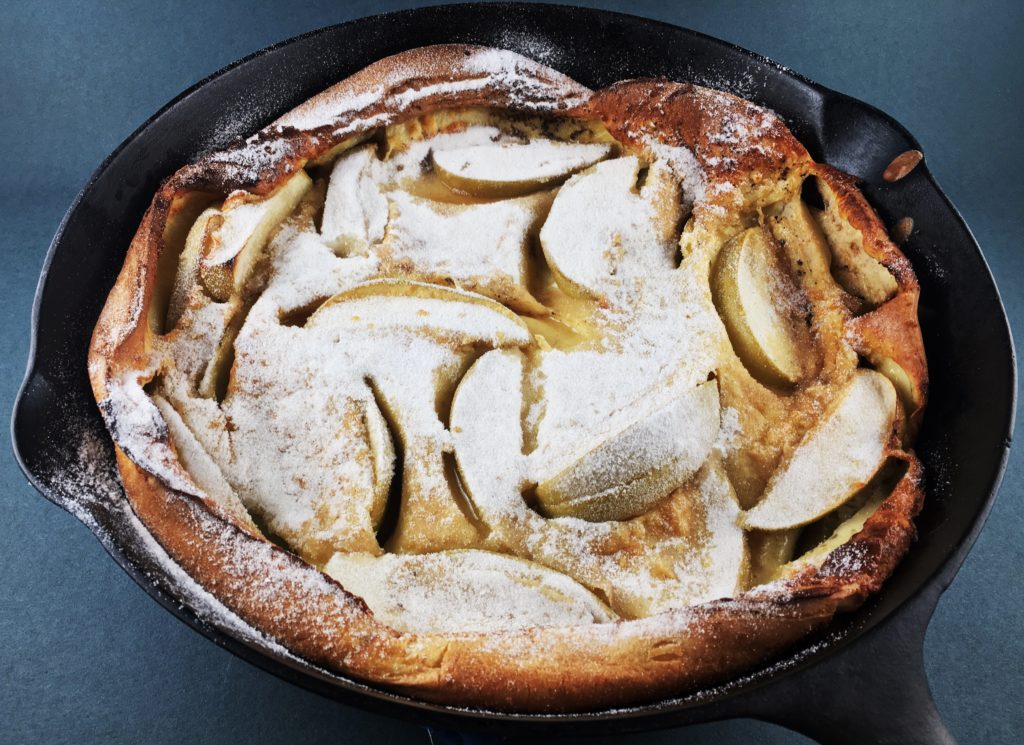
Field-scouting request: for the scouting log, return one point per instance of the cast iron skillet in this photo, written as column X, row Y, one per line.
column 862, row 682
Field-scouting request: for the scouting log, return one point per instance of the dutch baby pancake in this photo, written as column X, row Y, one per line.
column 476, row 384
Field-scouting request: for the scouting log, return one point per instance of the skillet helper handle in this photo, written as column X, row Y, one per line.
column 874, row 691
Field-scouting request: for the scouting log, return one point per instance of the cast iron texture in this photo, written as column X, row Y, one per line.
column 829, row 688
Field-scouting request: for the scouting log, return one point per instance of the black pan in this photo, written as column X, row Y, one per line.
column 864, row 681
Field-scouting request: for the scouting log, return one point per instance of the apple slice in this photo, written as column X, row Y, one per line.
column 833, row 460
column 769, row 552
column 859, row 272
column 636, row 565
column 411, row 341
column 188, row 264
column 491, row 462
column 198, row 463
column 759, row 306
column 355, row 210
column 649, row 451
column 382, row 458
column 512, row 169
column 236, row 244
column 840, row 526
column 433, row 513
column 603, row 232
column 326, row 491
column 449, row 316
column 907, row 388
column 216, row 376
column 805, row 248
column 465, row 591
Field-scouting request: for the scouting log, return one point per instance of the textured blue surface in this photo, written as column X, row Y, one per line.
column 85, row 656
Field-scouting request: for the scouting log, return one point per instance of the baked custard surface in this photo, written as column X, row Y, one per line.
column 469, row 381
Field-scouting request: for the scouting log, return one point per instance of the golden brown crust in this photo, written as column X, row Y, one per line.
column 855, row 209
column 403, row 86
column 890, row 331
column 534, row 669
column 310, row 614
column 683, row 114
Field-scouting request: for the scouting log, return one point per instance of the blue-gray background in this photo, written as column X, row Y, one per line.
column 86, row 656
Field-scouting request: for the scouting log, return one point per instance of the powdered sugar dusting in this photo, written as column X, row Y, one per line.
column 729, row 432
column 464, row 591
column 684, row 165
column 535, row 47
column 317, row 383
column 245, row 163
column 308, row 117
column 137, row 427
column 538, row 160
column 520, row 77
column 475, row 244
column 349, row 351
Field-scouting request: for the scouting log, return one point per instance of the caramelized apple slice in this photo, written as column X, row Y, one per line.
column 512, row 169
column 603, row 232
column 355, row 210
column 465, row 591
column 759, row 306
column 805, row 247
column 237, row 243
column 854, row 268
column 658, row 444
column 832, row 461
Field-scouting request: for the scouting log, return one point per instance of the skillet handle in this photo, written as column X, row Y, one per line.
column 875, row 691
